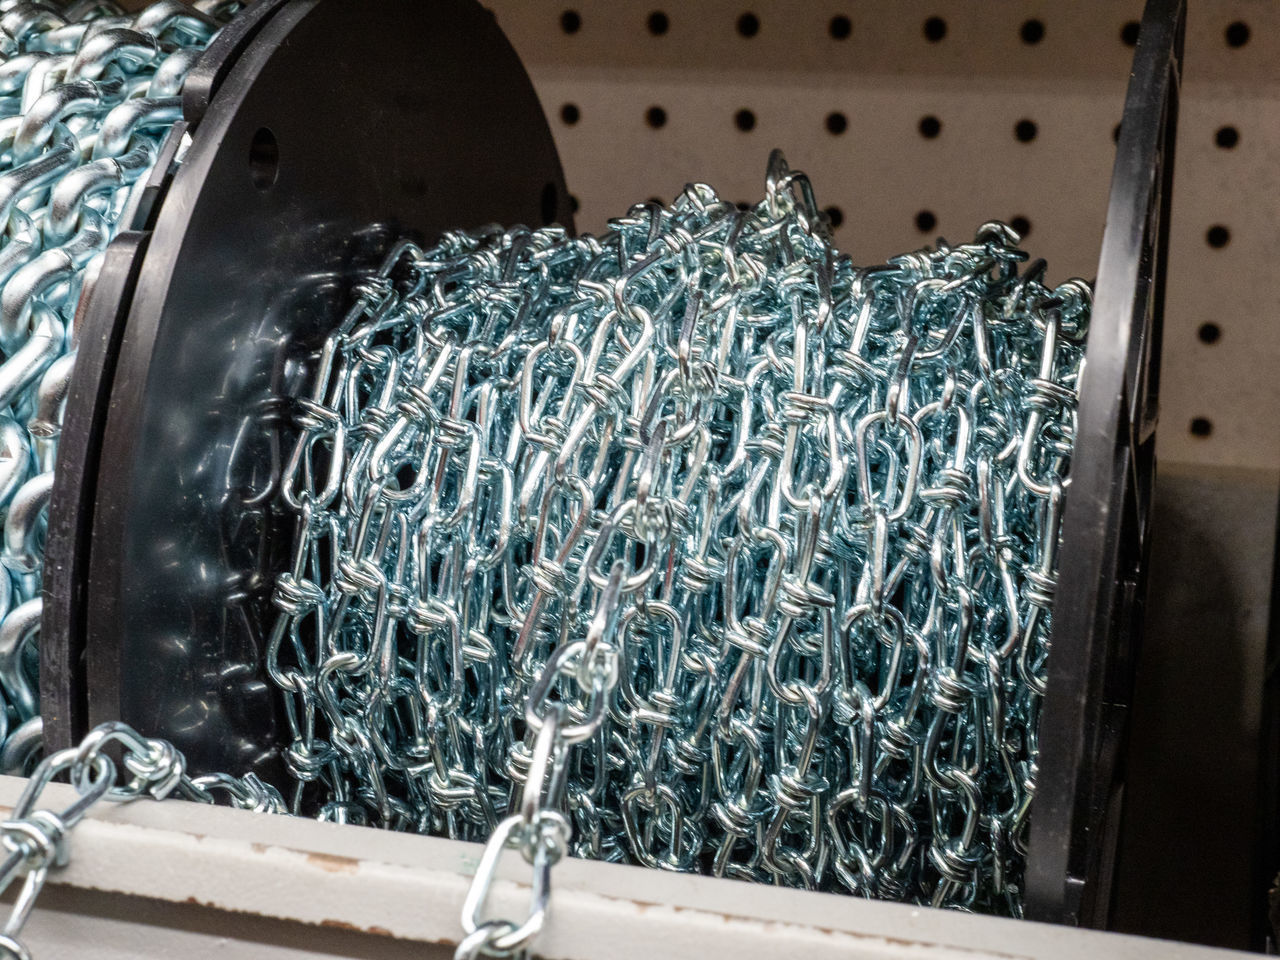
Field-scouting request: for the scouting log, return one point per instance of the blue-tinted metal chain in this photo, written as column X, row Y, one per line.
column 34, row 839
column 831, row 495
column 690, row 545
column 87, row 92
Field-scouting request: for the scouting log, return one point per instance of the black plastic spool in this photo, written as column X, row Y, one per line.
column 162, row 532
column 1097, row 616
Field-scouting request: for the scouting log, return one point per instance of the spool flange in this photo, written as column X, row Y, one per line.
column 315, row 133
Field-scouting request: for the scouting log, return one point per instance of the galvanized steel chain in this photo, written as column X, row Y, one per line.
column 832, row 497
column 689, row 545
column 34, row 839
column 539, row 829
column 87, row 92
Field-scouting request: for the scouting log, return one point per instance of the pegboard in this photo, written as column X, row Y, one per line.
column 918, row 119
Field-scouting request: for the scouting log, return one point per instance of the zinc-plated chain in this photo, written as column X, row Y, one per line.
column 690, row 545
column 833, row 496
column 539, row 829
column 87, row 92
column 32, row 839
column 770, row 538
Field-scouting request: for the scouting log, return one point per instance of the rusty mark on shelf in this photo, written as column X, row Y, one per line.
column 333, row 864
column 376, row 930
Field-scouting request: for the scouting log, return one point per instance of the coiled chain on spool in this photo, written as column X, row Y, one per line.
column 87, row 93
column 690, row 545
column 771, row 536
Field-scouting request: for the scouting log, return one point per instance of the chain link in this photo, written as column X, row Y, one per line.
column 35, row 839
column 831, row 497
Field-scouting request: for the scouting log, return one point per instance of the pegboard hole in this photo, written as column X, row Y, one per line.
column 1226, row 137
column 658, row 201
column 658, row 23
column 571, row 21
column 1237, row 34
column 573, row 203
column 748, row 25
column 743, row 206
column 1115, row 133
column 1209, row 333
column 1217, row 236
column 1025, row 130
column 840, row 27
column 1129, row 34
column 935, row 28
column 837, row 123
column 655, row 117
column 926, row 221
column 744, row 120
column 930, row 127
column 264, row 159
column 1201, row 427
column 835, row 215
column 1032, row 31
column 1022, row 225
column 570, row 114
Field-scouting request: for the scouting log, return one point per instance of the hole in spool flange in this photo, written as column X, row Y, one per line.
column 264, row 159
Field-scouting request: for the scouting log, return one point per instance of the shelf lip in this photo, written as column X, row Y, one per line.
column 411, row 887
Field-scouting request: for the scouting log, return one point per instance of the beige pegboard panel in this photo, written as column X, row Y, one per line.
column 980, row 79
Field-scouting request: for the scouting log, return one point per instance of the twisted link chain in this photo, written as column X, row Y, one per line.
column 690, row 545
column 33, row 840
column 87, row 93
column 831, row 499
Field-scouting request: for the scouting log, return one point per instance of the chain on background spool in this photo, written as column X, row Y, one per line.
column 87, row 95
